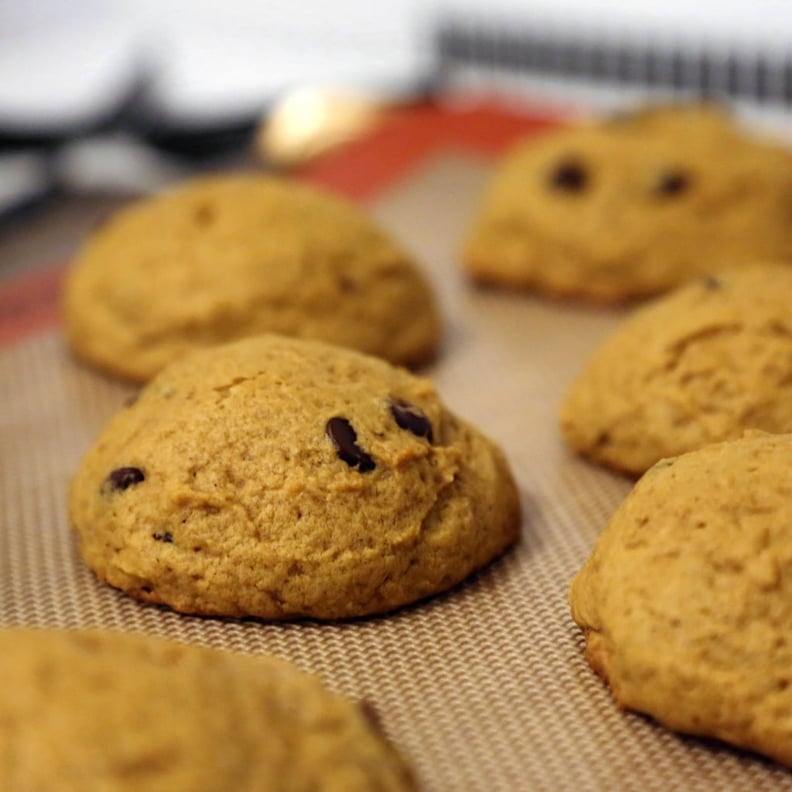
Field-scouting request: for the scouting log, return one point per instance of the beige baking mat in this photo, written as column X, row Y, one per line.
column 484, row 688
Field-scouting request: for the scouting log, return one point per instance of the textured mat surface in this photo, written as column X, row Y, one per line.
column 484, row 688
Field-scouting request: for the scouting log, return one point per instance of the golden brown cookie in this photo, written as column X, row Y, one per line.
column 226, row 257
column 686, row 601
column 633, row 206
column 108, row 712
column 280, row 478
column 697, row 366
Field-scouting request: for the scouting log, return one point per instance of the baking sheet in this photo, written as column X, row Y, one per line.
column 484, row 688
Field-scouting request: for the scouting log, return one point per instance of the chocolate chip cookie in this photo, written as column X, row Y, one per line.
column 225, row 257
column 282, row 478
column 108, row 712
column 686, row 600
column 631, row 207
column 697, row 366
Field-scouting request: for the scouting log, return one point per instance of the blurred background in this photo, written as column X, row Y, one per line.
column 104, row 99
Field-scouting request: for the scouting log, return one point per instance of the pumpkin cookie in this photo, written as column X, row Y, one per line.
column 686, row 601
column 697, row 366
column 633, row 206
column 108, row 712
column 281, row 478
column 227, row 257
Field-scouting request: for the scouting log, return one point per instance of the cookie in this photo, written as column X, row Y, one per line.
column 226, row 257
column 697, row 366
column 634, row 206
column 91, row 711
column 686, row 600
column 281, row 478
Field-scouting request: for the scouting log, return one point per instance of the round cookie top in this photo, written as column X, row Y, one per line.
column 633, row 206
column 91, row 711
column 697, row 366
column 280, row 478
column 686, row 600
column 226, row 257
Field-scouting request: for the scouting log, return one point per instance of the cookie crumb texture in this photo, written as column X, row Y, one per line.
column 686, row 600
column 226, row 257
column 108, row 712
column 634, row 206
column 698, row 366
column 283, row 478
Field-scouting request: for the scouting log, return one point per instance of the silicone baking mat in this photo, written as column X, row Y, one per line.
column 484, row 688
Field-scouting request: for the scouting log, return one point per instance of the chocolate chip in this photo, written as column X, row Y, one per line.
column 411, row 418
column 124, row 477
column 711, row 283
column 203, row 215
column 346, row 284
column 602, row 439
column 166, row 536
column 344, row 438
column 569, row 176
column 672, row 183
column 369, row 712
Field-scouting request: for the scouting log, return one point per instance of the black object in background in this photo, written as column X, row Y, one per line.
column 707, row 69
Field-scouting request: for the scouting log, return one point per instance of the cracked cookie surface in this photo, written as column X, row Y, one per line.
column 686, row 600
column 225, row 257
column 630, row 207
column 279, row 478
column 697, row 366
column 113, row 712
